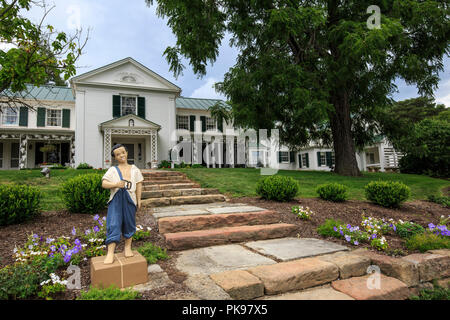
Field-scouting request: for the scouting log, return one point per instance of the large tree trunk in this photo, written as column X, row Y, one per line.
column 344, row 145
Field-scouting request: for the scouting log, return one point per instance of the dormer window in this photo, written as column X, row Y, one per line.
column 129, row 105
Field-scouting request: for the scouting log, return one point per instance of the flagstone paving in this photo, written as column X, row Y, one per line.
column 294, row 248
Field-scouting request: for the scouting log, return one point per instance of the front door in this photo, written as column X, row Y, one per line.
column 130, row 147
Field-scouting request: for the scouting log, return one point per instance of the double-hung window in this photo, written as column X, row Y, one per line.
column 128, row 105
column 10, row 116
column 54, row 117
column 304, row 163
column 323, row 158
column 210, row 123
column 183, row 122
column 284, row 156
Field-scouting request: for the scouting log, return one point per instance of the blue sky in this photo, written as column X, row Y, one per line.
column 122, row 29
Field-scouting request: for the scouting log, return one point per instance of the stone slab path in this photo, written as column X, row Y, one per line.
column 236, row 251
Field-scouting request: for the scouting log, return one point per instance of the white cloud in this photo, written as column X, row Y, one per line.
column 207, row 91
column 443, row 94
column 6, row 46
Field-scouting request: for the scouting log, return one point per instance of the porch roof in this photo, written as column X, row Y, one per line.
column 138, row 121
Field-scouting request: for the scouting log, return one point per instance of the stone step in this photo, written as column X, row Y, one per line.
column 373, row 287
column 166, row 201
column 210, row 237
column 162, row 173
column 295, row 275
column 165, row 181
column 178, row 192
column 214, row 221
column 170, row 186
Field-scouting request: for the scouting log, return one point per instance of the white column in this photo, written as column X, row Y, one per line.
column 23, row 151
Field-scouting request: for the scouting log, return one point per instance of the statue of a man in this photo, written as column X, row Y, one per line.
column 125, row 183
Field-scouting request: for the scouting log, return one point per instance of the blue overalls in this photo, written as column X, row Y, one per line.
column 121, row 217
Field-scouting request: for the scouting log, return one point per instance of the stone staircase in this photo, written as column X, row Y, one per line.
column 164, row 188
column 215, row 224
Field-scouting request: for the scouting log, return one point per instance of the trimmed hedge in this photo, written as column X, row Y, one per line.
column 278, row 188
column 84, row 194
column 388, row 194
column 332, row 192
column 18, row 203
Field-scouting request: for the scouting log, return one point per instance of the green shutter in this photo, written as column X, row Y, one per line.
column 299, row 160
column 23, row 117
column 40, row 117
column 220, row 124
column 307, row 160
column 328, row 156
column 203, row 120
column 279, row 156
column 116, row 106
column 192, row 123
column 141, row 107
column 66, row 118
column 318, row 159
column 292, row 156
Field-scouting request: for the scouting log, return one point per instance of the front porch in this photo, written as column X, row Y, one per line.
column 31, row 149
column 140, row 137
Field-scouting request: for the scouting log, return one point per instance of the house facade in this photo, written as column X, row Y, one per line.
column 125, row 102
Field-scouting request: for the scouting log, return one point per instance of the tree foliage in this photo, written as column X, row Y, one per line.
column 307, row 64
column 398, row 120
column 38, row 53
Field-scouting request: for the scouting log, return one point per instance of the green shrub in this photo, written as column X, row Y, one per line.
column 110, row 293
column 18, row 203
column 152, row 253
column 164, row 164
column 327, row 228
column 279, row 188
column 427, row 241
column 84, row 194
column 387, row 193
column 84, row 166
column 437, row 293
column 22, row 280
column 332, row 192
column 442, row 200
column 197, row 165
column 408, row 229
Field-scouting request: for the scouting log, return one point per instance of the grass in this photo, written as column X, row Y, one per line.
column 437, row 293
column 236, row 182
column 152, row 253
column 240, row 182
column 110, row 293
column 49, row 187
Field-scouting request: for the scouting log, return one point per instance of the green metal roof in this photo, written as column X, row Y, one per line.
column 44, row 92
column 197, row 103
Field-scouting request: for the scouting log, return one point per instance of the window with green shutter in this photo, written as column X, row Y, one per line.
column 329, row 160
column 220, row 124
column 116, row 106
column 203, row 120
column 66, row 118
column 40, row 117
column 307, row 159
column 192, row 123
column 23, row 117
column 299, row 160
column 141, row 107
column 291, row 156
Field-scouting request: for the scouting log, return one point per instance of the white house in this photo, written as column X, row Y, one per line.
column 125, row 102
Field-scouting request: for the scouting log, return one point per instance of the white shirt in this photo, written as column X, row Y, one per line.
column 113, row 176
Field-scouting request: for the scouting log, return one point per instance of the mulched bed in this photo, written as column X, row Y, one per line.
column 54, row 224
column 421, row 212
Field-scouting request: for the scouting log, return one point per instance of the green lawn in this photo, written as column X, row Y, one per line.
column 49, row 187
column 235, row 182
column 242, row 181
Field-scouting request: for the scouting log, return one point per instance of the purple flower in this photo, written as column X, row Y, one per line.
column 74, row 232
column 355, row 243
column 341, row 232
column 431, row 226
column 96, row 229
column 51, row 255
column 335, row 229
column 374, row 236
column 349, row 226
column 100, row 223
column 77, row 242
column 67, row 257
column 348, row 238
column 96, row 217
column 53, row 248
column 35, row 236
column 87, row 232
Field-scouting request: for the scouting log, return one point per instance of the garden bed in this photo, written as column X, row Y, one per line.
column 421, row 212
